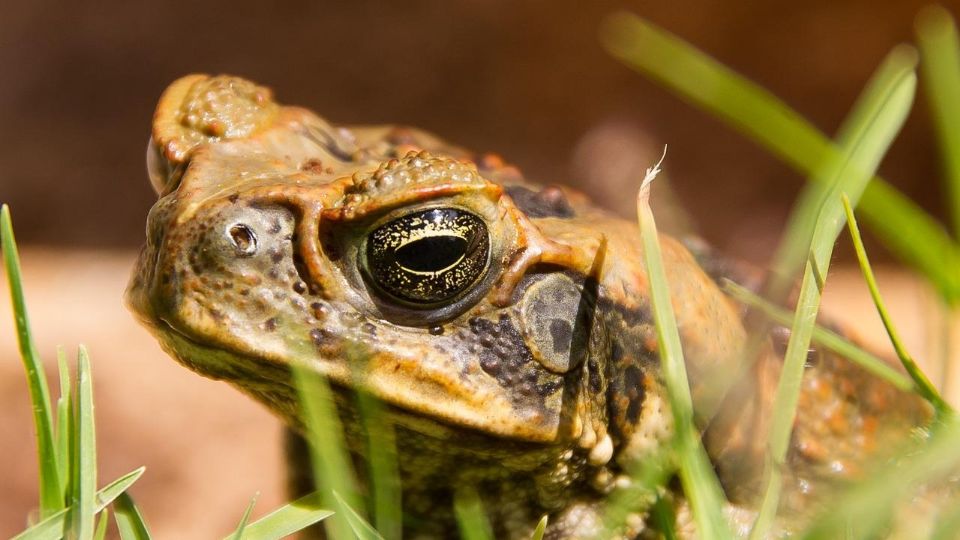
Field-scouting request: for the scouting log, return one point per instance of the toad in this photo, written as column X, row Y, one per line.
column 505, row 325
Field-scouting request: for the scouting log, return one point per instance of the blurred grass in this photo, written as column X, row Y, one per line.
column 864, row 138
column 905, row 229
column 827, row 339
column 835, row 168
column 940, row 69
column 332, row 468
column 71, row 507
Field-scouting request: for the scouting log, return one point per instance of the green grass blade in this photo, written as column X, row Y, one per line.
column 287, row 519
column 866, row 136
column 665, row 517
column 875, row 495
column 908, row 232
column 923, row 384
column 940, row 69
column 471, row 519
column 331, row 463
column 103, row 519
column 114, row 489
column 238, row 534
column 647, row 475
column 129, row 520
column 64, row 420
column 699, row 481
column 83, row 480
column 51, row 485
column 52, row 526
column 384, row 471
column 798, row 233
column 541, row 529
column 360, row 527
column 824, row 337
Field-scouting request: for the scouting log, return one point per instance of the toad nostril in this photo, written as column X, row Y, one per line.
column 243, row 239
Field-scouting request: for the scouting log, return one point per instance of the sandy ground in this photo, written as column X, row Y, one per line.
column 207, row 448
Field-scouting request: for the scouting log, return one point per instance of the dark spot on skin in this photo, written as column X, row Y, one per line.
column 504, row 355
column 635, row 392
column 369, row 328
column 313, row 165
column 319, row 310
column 274, row 227
column 321, row 338
column 276, row 255
column 270, row 324
column 233, row 198
column 300, row 287
column 548, row 202
column 562, row 333
column 594, row 378
column 436, row 330
column 301, row 268
column 616, row 352
column 631, row 317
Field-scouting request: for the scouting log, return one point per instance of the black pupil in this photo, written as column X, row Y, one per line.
column 431, row 254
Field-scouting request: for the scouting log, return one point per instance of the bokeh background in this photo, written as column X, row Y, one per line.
column 525, row 79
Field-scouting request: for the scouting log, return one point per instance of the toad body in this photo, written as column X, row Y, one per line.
column 504, row 325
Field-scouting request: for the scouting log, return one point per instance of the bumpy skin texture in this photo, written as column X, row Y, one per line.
column 535, row 385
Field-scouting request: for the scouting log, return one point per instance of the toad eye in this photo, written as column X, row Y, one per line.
column 427, row 257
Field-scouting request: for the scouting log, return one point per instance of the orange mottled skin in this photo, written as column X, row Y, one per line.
column 536, row 385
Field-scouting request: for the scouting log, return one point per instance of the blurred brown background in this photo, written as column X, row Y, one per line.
column 525, row 79
column 528, row 80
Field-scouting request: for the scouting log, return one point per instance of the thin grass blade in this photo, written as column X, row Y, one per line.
column 471, row 519
column 287, row 519
column 331, row 464
column 923, row 385
column 940, row 69
column 103, row 519
column 872, row 126
column 238, row 533
column 665, row 517
column 83, row 484
column 129, row 520
column 51, row 485
column 540, row 530
column 908, row 232
column 51, row 528
column 824, row 337
column 114, row 489
column 64, row 420
column 384, row 471
column 794, row 248
column 361, row 528
column 700, row 484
